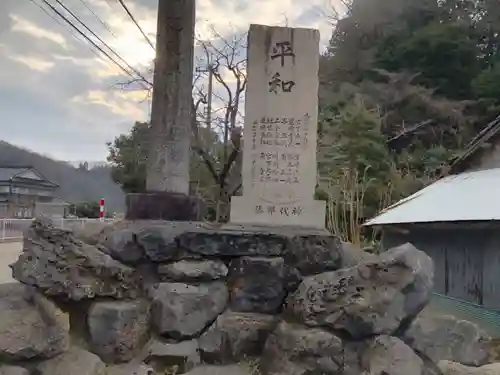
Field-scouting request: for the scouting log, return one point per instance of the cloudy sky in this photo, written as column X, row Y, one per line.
column 58, row 98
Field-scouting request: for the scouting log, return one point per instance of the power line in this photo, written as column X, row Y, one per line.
column 122, row 3
column 92, row 42
column 64, row 26
column 99, row 39
column 103, row 23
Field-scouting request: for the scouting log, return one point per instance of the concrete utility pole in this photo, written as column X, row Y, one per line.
column 167, row 184
column 210, row 70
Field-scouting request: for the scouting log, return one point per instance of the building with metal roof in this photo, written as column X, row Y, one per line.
column 482, row 152
column 456, row 221
column 24, row 192
column 466, row 197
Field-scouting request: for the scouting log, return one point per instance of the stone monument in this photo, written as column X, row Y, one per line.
column 280, row 134
column 167, row 186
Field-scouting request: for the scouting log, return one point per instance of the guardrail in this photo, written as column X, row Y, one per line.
column 13, row 229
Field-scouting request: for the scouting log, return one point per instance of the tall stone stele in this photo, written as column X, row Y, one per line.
column 167, row 196
column 280, row 134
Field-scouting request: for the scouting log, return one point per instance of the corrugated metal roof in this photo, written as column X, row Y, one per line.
column 471, row 196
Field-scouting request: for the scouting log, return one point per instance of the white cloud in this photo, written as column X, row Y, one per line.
column 70, row 88
column 25, row 26
column 34, row 63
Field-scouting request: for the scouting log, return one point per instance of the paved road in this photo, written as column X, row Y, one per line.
column 9, row 252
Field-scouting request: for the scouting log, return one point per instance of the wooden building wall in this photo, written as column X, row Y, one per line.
column 466, row 261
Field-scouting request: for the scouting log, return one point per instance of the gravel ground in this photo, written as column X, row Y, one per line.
column 9, row 252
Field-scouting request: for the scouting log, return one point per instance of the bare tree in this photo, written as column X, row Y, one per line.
column 216, row 128
column 335, row 12
column 224, row 60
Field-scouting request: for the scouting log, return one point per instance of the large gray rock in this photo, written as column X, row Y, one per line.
column 75, row 362
column 13, row 370
column 160, row 243
column 118, row 329
column 234, row 336
column 313, row 254
column 297, row 350
column 387, row 355
column 182, row 311
column 376, row 297
column 122, row 245
column 167, row 241
column 448, row 338
column 257, row 284
column 58, row 264
column 223, row 370
column 351, row 256
column 223, row 243
column 452, row 368
column 130, row 369
column 31, row 327
column 192, row 271
column 182, row 356
column 309, row 250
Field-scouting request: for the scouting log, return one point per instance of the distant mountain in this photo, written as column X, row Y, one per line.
column 76, row 185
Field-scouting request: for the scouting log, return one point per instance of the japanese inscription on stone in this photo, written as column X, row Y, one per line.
column 281, row 50
column 279, row 150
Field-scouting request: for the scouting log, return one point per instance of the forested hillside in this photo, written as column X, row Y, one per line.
column 76, row 185
column 405, row 85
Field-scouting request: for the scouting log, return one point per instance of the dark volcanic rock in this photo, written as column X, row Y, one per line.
column 122, row 245
column 313, row 254
column 192, row 271
column 294, row 349
column 183, row 311
column 75, row 362
column 60, row 265
column 387, row 355
column 257, row 284
column 220, row 243
column 376, row 297
column 163, row 241
column 160, row 244
column 31, row 326
column 167, row 243
column 136, row 241
column 223, row 370
column 453, row 368
column 183, row 356
column 129, row 369
column 351, row 255
column 449, row 338
column 13, row 370
column 235, row 336
column 118, row 329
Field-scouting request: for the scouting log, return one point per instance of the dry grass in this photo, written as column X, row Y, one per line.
column 252, row 365
column 348, row 194
column 494, row 350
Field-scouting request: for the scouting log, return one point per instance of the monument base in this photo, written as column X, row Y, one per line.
column 252, row 210
column 163, row 206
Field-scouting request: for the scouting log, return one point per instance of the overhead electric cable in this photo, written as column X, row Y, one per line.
column 95, row 45
column 65, row 27
column 100, row 39
column 124, row 6
column 103, row 23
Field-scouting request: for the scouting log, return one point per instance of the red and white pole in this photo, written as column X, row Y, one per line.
column 101, row 209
